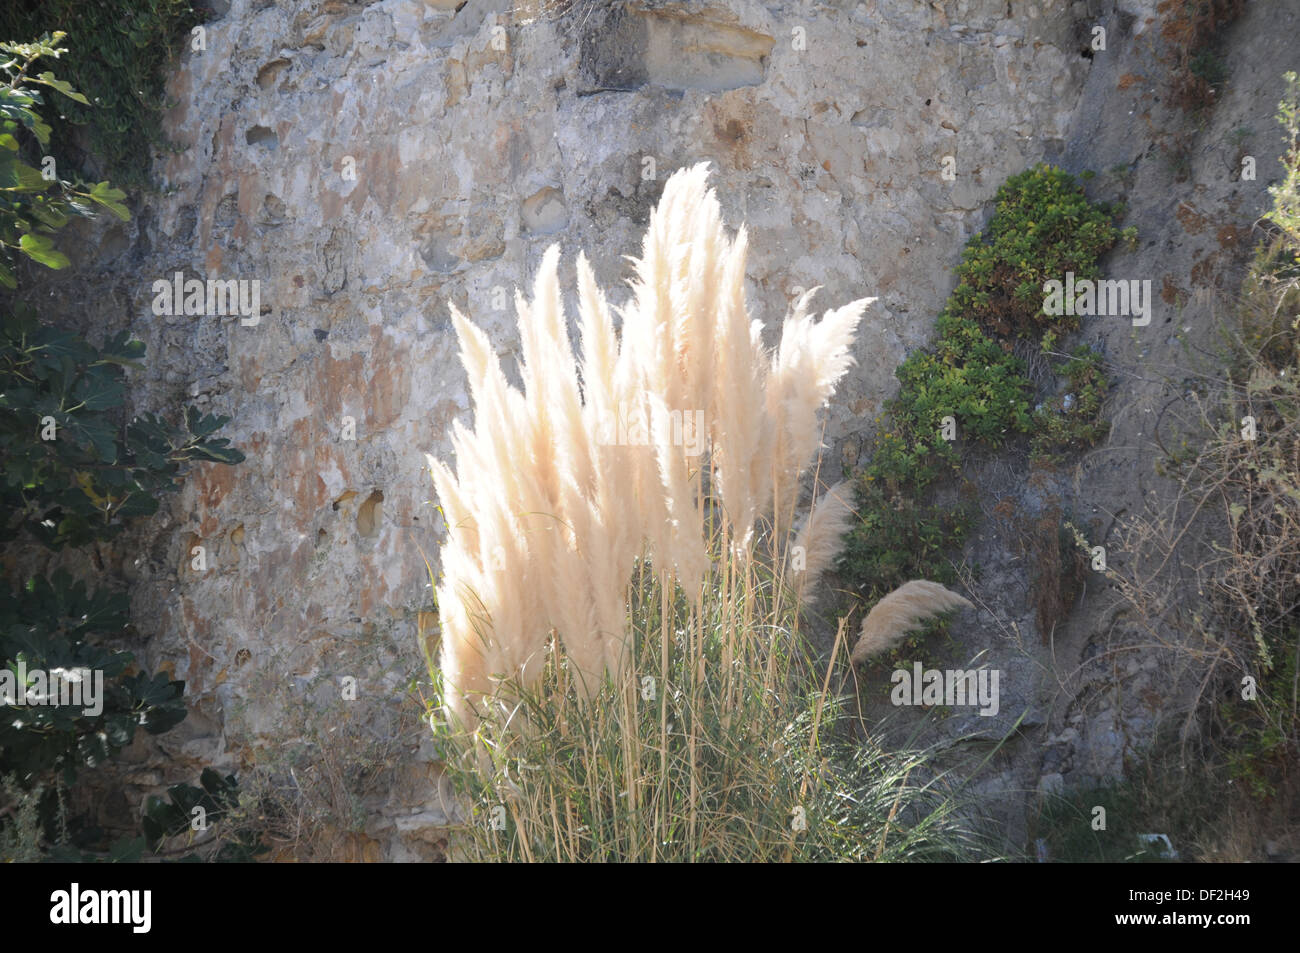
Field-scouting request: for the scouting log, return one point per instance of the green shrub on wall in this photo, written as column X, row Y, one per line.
column 968, row 376
column 969, row 384
column 1043, row 226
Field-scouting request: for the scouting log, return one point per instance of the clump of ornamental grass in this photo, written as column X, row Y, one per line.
column 622, row 452
column 621, row 670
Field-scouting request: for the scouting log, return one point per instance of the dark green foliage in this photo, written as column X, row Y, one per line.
column 122, row 48
column 188, row 809
column 75, row 471
column 36, row 202
column 1043, row 227
column 875, row 552
column 56, row 623
column 1067, row 831
column 969, row 376
column 1262, row 734
column 1071, row 421
column 84, row 484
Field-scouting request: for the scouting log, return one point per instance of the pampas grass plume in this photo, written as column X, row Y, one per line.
column 907, row 607
column 547, row 515
column 820, row 539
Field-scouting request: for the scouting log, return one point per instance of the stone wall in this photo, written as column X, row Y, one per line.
column 369, row 163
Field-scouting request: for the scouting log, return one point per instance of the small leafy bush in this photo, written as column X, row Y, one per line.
column 901, row 538
column 1043, row 226
column 967, row 376
column 1071, row 421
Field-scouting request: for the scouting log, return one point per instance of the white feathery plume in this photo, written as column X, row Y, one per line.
column 559, row 488
column 741, row 433
column 910, row 605
column 808, row 364
column 821, row 537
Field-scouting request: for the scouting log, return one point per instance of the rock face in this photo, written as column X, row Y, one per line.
column 367, row 163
